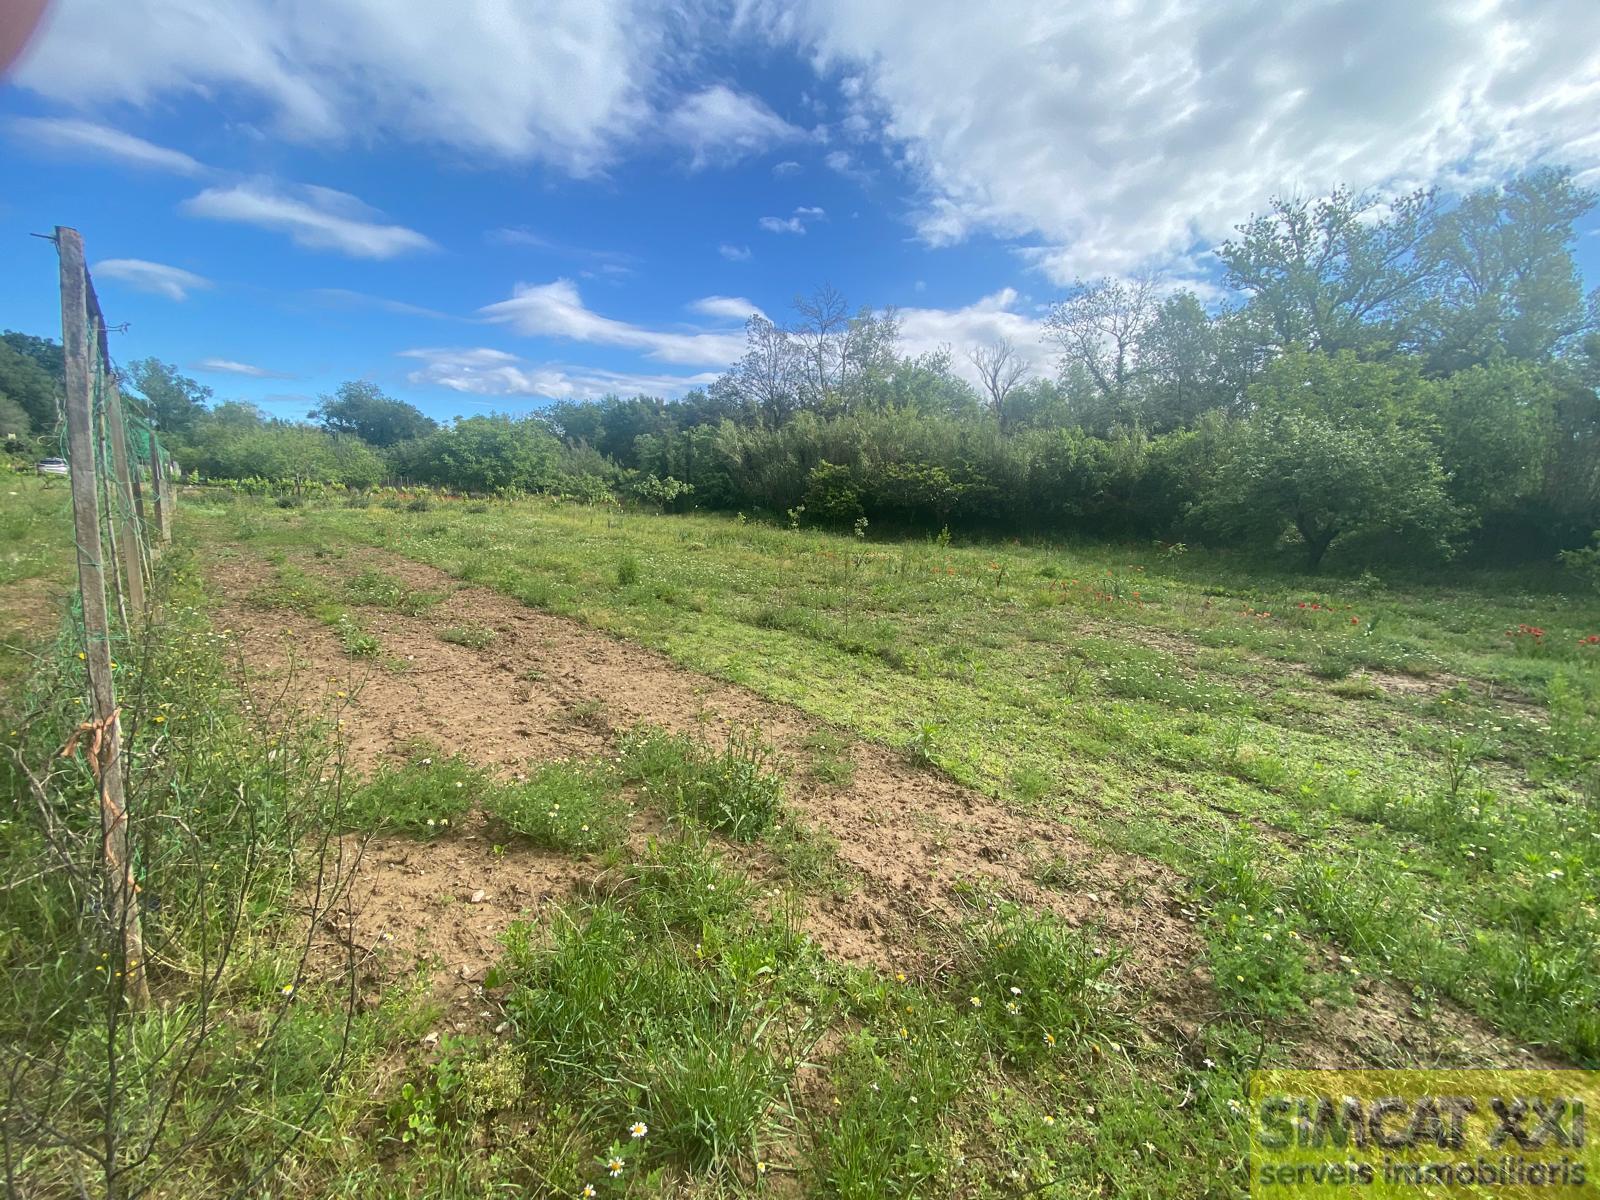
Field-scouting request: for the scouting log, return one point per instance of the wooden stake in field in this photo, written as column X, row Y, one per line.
column 158, row 485
column 104, row 745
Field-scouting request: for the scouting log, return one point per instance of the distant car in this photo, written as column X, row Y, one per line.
column 51, row 466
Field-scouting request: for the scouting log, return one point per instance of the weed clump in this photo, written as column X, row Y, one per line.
column 382, row 590
column 675, row 1045
column 1036, row 986
column 563, row 806
column 424, row 795
column 737, row 790
column 473, row 637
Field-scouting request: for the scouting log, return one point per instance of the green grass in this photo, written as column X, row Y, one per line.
column 575, row 807
column 675, row 993
column 36, row 564
column 297, row 590
column 424, row 795
column 736, row 789
column 473, row 637
column 1160, row 705
column 675, row 1005
column 380, row 590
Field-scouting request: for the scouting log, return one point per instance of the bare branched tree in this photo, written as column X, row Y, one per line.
column 1100, row 327
column 1001, row 370
column 766, row 378
column 821, row 335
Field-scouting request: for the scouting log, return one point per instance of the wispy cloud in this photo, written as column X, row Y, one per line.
column 316, row 218
column 557, row 310
column 734, row 253
column 720, row 126
column 101, row 141
column 608, row 261
column 228, row 366
column 481, row 371
column 796, row 223
column 345, row 298
column 158, row 279
column 842, row 162
column 787, row 167
column 725, row 308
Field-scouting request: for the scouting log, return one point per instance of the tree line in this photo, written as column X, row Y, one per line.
column 1371, row 378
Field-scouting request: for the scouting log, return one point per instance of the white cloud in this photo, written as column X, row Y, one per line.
column 734, row 253
column 227, row 366
column 719, row 126
column 557, row 310
column 1123, row 135
column 561, row 82
column 795, row 224
column 787, row 167
column 979, row 324
column 726, row 308
column 89, row 138
column 317, row 218
column 480, row 371
column 156, row 278
column 842, row 163
column 345, row 298
column 611, row 262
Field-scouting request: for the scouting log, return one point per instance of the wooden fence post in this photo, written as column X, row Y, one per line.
column 125, row 520
column 104, row 743
column 158, row 485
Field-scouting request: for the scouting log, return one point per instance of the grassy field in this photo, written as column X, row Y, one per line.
column 35, row 566
column 1355, row 783
column 1405, row 771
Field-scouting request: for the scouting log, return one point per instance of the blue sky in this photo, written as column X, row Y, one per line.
column 486, row 204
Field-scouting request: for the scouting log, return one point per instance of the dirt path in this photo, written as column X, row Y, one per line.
column 914, row 843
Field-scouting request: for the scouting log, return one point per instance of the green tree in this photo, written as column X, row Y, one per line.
column 662, row 493
column 490, row 454
column 360, row 409
column 1493, row 427
column 1334, row 448
column 1194, row 363
column 174, row 401
column 14, row 424
column 29, row 386
column 1101, row 330
column 1336, row 273
column 45, row 352
column 1505, row 284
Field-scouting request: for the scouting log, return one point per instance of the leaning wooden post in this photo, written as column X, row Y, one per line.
column 158, row 485
column 125, row 516
column 104, row 743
